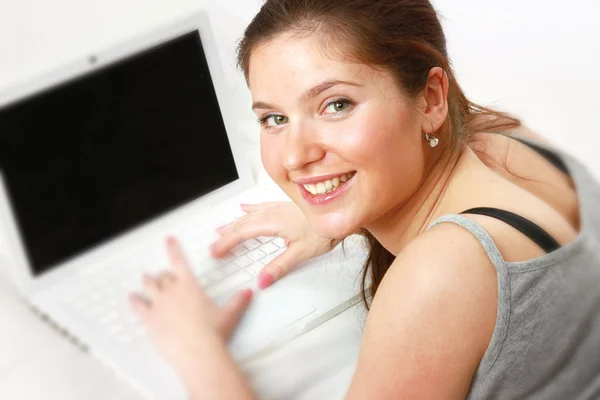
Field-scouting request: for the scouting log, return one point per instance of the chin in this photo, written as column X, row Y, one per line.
column 332, row 227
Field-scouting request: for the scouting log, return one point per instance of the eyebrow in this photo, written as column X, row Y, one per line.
column 309, row 94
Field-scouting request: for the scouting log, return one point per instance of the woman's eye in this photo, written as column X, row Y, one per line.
column 338, row 106
column 280, row 119
column 275, row 120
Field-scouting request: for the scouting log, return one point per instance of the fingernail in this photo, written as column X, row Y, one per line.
column 247, row 292
column 264, row 280
column 171, row 240
column 213, row 249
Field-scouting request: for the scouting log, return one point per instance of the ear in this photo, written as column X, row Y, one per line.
column 435, row 96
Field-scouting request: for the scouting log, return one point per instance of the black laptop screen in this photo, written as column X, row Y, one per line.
column 99, row 155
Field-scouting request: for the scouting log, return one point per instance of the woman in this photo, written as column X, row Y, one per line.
column 485, row 281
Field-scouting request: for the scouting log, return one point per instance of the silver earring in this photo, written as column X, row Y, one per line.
column 432, row 140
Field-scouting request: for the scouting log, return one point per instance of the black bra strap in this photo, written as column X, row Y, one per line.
column 549, row 155
column 525, row 226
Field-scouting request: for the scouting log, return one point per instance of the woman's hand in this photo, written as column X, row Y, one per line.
column 180, row 318
column 283, row 219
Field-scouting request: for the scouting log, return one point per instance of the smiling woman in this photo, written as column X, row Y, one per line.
column 365, row 128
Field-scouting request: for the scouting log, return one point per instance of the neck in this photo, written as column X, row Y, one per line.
column 395, row 229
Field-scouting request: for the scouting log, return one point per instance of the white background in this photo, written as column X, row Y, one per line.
column 537, row 59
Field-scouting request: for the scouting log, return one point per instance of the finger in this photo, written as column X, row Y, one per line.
column 165, row 279
column 233, row 311
column 150, row 286
column 222, row 229
column 279, row 267
column 244, row 231
column 178, row 260
column 249, row 208
column 140, row 305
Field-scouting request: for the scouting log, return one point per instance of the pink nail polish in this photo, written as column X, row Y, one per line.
column 264, row 280
column 214, row 250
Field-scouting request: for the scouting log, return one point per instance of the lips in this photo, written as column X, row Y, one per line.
column 324, row 191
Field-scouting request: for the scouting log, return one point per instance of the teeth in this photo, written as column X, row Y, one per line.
column 327, row 186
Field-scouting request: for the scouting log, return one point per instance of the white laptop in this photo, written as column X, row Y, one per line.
column 101, row 160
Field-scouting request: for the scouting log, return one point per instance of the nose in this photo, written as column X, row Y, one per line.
column 302, row 148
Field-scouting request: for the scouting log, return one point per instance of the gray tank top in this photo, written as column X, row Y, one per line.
column 546, row 342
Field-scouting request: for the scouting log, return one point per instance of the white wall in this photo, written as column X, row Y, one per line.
column 537, row 59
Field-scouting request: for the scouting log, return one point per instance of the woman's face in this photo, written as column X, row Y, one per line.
column 338, row 137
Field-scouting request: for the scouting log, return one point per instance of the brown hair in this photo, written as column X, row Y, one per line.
column 404, row 37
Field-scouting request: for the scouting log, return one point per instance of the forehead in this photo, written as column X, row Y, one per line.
column 291, row 62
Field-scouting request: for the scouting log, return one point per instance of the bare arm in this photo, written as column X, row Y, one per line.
column 219, row 379
column 430, row 322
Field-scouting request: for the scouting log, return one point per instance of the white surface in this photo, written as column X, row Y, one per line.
column 38, row 363
column 537, row 59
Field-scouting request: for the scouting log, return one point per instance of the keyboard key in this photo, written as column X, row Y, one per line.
column 204, row 280
column 257, row 255
column 132, row 319
column 114, row 329
column 81, row 303
column 269, row 248
column 109, row 290
column 109, row 318
column 229, row 284
column 239, row 251
column 95, row 297
column 125, row 339
column 279, row 242
column 216, row 275
column 112, row 303
column 264, row 239
column 97, row 309
column 139, row 330
column 267, row 259
column 255, row 268
column 251, row 244
column 227, row 259
column 230, row 268
column 272, row 256
column 243, row 262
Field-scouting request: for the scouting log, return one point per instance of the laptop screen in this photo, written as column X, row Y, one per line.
column 101, row 154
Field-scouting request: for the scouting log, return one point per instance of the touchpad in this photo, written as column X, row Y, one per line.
column 271, row 311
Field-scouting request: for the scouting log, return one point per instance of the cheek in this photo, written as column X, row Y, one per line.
column 381, row 142
column 271, row 148
column 385, row 147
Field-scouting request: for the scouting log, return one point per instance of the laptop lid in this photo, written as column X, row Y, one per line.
column 124, row 141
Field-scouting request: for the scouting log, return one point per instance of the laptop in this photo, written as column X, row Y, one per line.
column 103, row 159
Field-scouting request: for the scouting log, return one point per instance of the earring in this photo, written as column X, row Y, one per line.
column 432, row 140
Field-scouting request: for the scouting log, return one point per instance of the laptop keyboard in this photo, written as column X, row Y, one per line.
column 103, row 301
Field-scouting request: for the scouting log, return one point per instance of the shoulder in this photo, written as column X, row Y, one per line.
column 447, row 265
column 433, row 314
column 447, row 257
